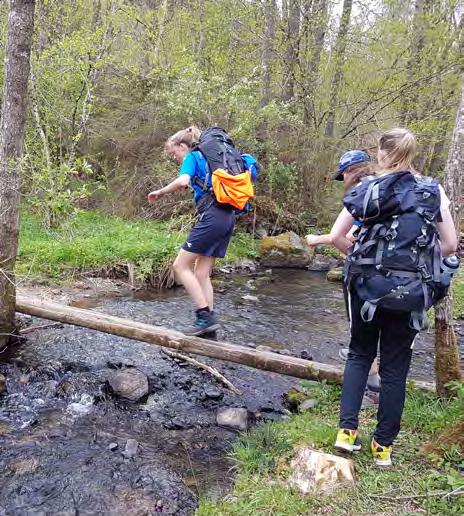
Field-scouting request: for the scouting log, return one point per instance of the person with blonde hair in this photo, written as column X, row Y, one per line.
column 211, row 234
column 392, row 276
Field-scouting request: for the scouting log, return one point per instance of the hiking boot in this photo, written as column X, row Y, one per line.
column 347, row 440
column 205, row 322
column 381, row 454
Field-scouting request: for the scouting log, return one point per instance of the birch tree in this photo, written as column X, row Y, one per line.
column 13, row 118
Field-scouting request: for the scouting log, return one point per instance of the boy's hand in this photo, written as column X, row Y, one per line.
column 154, row 196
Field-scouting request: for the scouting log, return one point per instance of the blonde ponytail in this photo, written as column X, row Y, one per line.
column 399, row 148
column 189, row 137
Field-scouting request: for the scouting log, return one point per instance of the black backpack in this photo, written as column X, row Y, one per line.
column 219, row 151
column 396, row 259
column 231, row 181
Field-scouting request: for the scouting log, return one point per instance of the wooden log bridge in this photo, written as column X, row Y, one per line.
column 265, row 360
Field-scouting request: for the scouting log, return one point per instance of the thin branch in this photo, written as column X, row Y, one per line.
column 214, row 372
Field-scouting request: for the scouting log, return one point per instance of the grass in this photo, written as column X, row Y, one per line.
column 262, row 464
column 458, row 294
column 96, row 242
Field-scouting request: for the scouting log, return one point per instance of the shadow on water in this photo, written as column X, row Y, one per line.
column 63, row 436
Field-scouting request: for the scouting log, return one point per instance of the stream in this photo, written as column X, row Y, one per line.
column 63, row 434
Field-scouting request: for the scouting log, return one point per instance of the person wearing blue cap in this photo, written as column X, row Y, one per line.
column 351, row 168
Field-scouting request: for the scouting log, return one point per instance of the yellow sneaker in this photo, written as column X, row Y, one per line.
column 381, row 454
column 347, row 440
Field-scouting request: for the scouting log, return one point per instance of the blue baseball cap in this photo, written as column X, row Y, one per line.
column 347, row 160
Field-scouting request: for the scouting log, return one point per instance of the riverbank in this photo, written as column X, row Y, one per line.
column 95, row 244
column 426, row 476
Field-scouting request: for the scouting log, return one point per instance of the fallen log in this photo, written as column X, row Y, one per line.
column 265, row 360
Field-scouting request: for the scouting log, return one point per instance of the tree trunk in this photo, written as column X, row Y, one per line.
column 266, row 360
column 268, row 51
column 339, row 56
column 446, row 346
column 419, row 26
column 13, row 119
column 318, row 24
column 291, row 53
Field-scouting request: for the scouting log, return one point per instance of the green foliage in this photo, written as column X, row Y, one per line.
column 458, row 295
column 259, row 451
column 57, row 193
column 282, row 178
column 113, row 79
column 94, row 241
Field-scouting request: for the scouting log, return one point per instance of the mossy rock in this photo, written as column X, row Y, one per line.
column 335, row 274
column 294, row 398
column 285, row 250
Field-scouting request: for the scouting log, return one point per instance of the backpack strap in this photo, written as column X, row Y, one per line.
column 202, row 183
column 372, row 194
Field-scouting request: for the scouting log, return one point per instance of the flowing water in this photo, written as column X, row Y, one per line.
column 63, row 435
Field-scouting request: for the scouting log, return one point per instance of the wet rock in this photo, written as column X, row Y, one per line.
column 213, row 394
column 21, row 467
column 285, row 250
column 307, row 405
column 84, row 406
column 261, row 232
column 322, row 262
column 2, row 384
column 131, row 448
column 113, row 446
column 306, row 355
column 335, row 274
column 246, row 265
column 320, row 473
column 248, row 297
column 130, row 384
column 234, row 418
column 264, row 280
column 47, row 389
column 178, row 423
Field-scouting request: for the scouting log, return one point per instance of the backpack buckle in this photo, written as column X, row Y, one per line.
column 391, row 234
column 425, row 275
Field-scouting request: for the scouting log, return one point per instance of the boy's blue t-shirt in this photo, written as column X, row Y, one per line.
column 194, row 165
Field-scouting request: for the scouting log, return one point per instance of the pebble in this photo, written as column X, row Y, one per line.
column 131, row 448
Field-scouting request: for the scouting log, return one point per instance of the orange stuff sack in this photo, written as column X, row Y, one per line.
column 234, row 190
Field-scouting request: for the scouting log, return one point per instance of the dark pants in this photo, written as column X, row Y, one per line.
column 391, row 330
